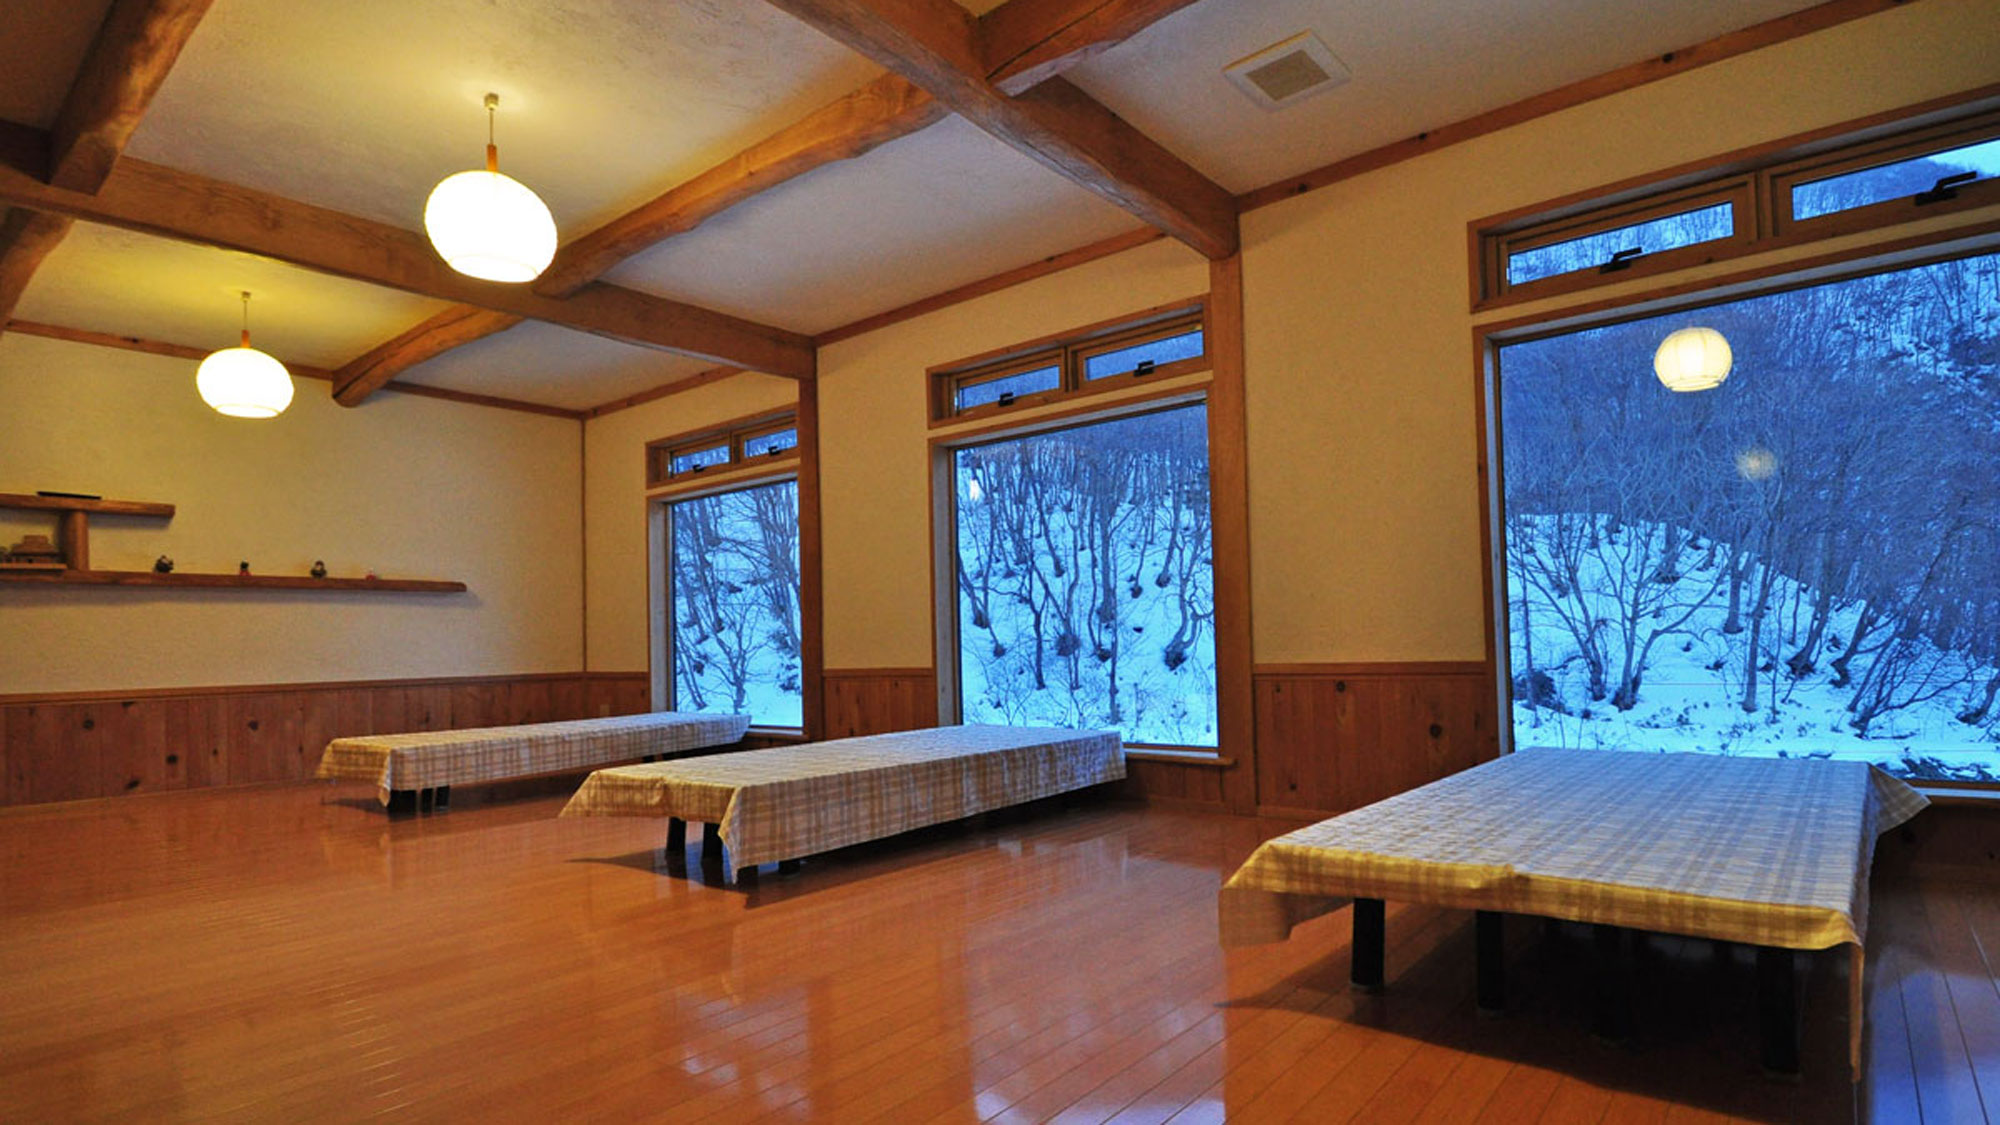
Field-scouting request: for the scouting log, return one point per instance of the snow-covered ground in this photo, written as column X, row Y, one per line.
column 1692, row 690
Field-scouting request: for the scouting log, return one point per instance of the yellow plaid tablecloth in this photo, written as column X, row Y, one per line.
column 793, row 801
column 1755, row 850
column 428, row 759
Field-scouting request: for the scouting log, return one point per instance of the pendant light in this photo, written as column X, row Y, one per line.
column 243, row 382
column 487, row 225
column 1693, row 359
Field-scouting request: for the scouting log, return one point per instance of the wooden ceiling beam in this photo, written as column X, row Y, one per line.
column 938, row 46
column 135, row 48
column 26, row 238
column 455, row 326
column 161, row 201
column 1027, row 42
column 883, row 110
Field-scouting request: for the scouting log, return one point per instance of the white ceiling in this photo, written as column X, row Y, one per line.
column 362, row 105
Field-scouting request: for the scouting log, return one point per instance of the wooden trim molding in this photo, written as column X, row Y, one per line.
column 664, row 390
column 1346, row 669
column 1005, row 279
column 301, row 370
column 1756, row 37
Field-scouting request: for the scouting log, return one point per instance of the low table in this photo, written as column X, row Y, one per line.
column 420, row 767
column 1772, row 853
column 787, row 802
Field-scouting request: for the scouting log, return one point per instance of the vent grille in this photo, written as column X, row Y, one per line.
column 1288, row 72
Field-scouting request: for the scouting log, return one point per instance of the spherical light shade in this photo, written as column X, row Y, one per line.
column 1693, row 359
column 487, row 225
column 244, row 383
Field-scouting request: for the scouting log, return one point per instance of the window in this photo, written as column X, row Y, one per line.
column 1162, row 344
column 1940, row 157
column 1936, row 174
column 734, row 582
column 1607, row 250
column 1801, row 562
column 746, row 443
column 1085, row 580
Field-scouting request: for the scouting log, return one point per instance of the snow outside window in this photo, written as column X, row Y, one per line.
column 1086, row 585
column 734, row 568
column 1802, row 562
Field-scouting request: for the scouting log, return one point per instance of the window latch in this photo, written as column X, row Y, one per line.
column 1945, row 188
column 1145, row 368
column 1621, row 260
column 1006, row 398
column 695, row 468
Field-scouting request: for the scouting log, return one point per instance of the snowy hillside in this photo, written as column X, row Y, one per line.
column 1693, row 682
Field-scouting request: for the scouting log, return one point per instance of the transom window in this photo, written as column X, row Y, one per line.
column 1160, row 344
column 745, row 443
column 1947, row 158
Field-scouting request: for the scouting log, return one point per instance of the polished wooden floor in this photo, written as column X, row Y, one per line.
column 289, row 954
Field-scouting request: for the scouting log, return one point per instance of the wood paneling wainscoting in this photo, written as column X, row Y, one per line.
column 1334, row 737
column 878, row 700
column 62, row 747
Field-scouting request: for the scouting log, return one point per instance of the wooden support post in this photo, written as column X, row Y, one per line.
column 1612, row 994
column 73, row 536
column 1777, row 1012
column 1492, row 972
column 1365, row 970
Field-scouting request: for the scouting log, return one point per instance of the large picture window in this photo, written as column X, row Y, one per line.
column 734, row 576
column 1803, row 561
column 1086, row 588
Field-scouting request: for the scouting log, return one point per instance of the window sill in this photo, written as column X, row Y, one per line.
column 1207, row 758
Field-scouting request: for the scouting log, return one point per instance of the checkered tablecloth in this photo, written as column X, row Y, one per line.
column 793, row 801
column 1756, row 850
column 428, row 759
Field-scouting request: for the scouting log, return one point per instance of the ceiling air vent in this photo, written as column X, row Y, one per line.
column 1287, row 72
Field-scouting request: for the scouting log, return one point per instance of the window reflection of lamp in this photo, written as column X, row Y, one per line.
column 1693, row 359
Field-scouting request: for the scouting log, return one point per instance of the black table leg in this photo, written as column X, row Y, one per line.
column 1492, row 962
column 788, row 866
column 711, row 837
column 402, row 802
column 746, row 875
column 677, row 834
column 443, row 798
column 1365, row 970
column 1777, row 1011
column 1612, row 1021
column 426, row 799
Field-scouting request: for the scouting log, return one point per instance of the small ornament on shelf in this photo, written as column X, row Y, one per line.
column 371, row 576
column 163, row 565
column 318, row 568
column 243, row 569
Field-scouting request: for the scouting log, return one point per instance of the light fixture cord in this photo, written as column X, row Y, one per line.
column 246, row 318
column 492, row 150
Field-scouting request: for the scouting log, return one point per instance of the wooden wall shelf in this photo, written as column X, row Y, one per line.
column 74, row 537
column 228, row 581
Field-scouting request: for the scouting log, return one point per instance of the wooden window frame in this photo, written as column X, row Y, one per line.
column 1757, row 182
column 944, row 537
column 1907, row 145
column 1837, row 264
column 661, row 452
column 1067, row 352
column 660, row 582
